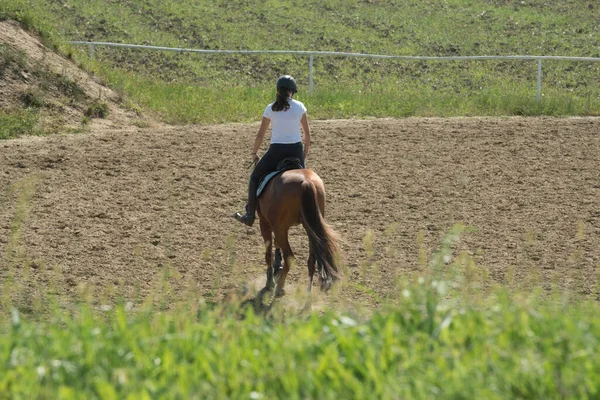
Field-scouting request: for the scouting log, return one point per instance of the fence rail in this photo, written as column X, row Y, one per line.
column 312, row 54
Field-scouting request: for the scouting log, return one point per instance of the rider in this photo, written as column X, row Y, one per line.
column 287, row 116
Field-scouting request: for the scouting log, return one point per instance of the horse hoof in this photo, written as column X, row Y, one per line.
column 326, row 285
column 265, row 290
column 307, row 307
column 280, row 293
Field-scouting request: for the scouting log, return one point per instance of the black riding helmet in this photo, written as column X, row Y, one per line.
column 287, row 82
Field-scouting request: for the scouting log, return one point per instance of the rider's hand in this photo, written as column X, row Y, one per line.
column 255, row 158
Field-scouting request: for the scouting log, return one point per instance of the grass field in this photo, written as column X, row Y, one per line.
column 515, row 349
column 188, row 88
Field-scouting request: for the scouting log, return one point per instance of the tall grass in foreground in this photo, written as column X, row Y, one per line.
column 442, row 336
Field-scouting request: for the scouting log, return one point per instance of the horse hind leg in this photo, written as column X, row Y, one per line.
column 277, row 264
column 311, row 270
column 311, row 273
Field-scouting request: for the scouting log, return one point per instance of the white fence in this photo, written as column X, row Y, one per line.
column 312, row 54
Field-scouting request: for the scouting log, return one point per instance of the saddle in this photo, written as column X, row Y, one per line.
column 282, row 166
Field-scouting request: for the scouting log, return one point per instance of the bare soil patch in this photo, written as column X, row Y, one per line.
column 118, row 209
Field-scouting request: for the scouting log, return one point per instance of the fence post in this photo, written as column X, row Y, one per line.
column 310, row 74
column 539, row 81
column 91, row 51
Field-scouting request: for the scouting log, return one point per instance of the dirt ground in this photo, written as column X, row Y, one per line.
column 115, row 210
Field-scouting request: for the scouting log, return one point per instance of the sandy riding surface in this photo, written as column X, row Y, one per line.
column 118, row 210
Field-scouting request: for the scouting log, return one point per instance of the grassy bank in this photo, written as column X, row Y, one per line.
column 187, row 103
column 191, row 88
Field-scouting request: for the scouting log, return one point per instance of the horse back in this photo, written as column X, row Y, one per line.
column 282, row 198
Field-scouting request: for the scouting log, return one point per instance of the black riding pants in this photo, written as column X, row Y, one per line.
column 268, row 163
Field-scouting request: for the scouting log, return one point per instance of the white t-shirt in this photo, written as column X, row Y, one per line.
column 285, row 125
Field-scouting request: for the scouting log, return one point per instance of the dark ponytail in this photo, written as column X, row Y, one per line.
column 281, row 102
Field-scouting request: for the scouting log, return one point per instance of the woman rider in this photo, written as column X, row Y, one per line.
column 287, row 117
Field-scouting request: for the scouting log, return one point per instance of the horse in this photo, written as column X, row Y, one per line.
column 294, row 197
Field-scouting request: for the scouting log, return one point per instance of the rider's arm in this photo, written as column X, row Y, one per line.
column 306, row 129
column 260, row 135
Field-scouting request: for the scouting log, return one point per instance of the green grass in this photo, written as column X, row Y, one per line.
column 446, row 333
column 192, row 88
column 14, row 123
column 428, row 345
column 187, row 103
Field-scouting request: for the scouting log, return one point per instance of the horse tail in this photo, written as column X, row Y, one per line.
column 322, row 239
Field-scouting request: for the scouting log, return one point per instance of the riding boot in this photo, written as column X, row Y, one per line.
column 244, row 218
column 249, row 217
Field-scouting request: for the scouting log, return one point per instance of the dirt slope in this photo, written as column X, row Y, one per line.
column 33, row 75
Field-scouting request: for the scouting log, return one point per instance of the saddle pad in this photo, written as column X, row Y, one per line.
column 264, row 180
column 284, row 165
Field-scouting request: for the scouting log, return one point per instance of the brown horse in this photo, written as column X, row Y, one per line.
column 296, row 197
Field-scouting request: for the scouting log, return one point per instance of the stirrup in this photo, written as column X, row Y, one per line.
column 244, row 218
